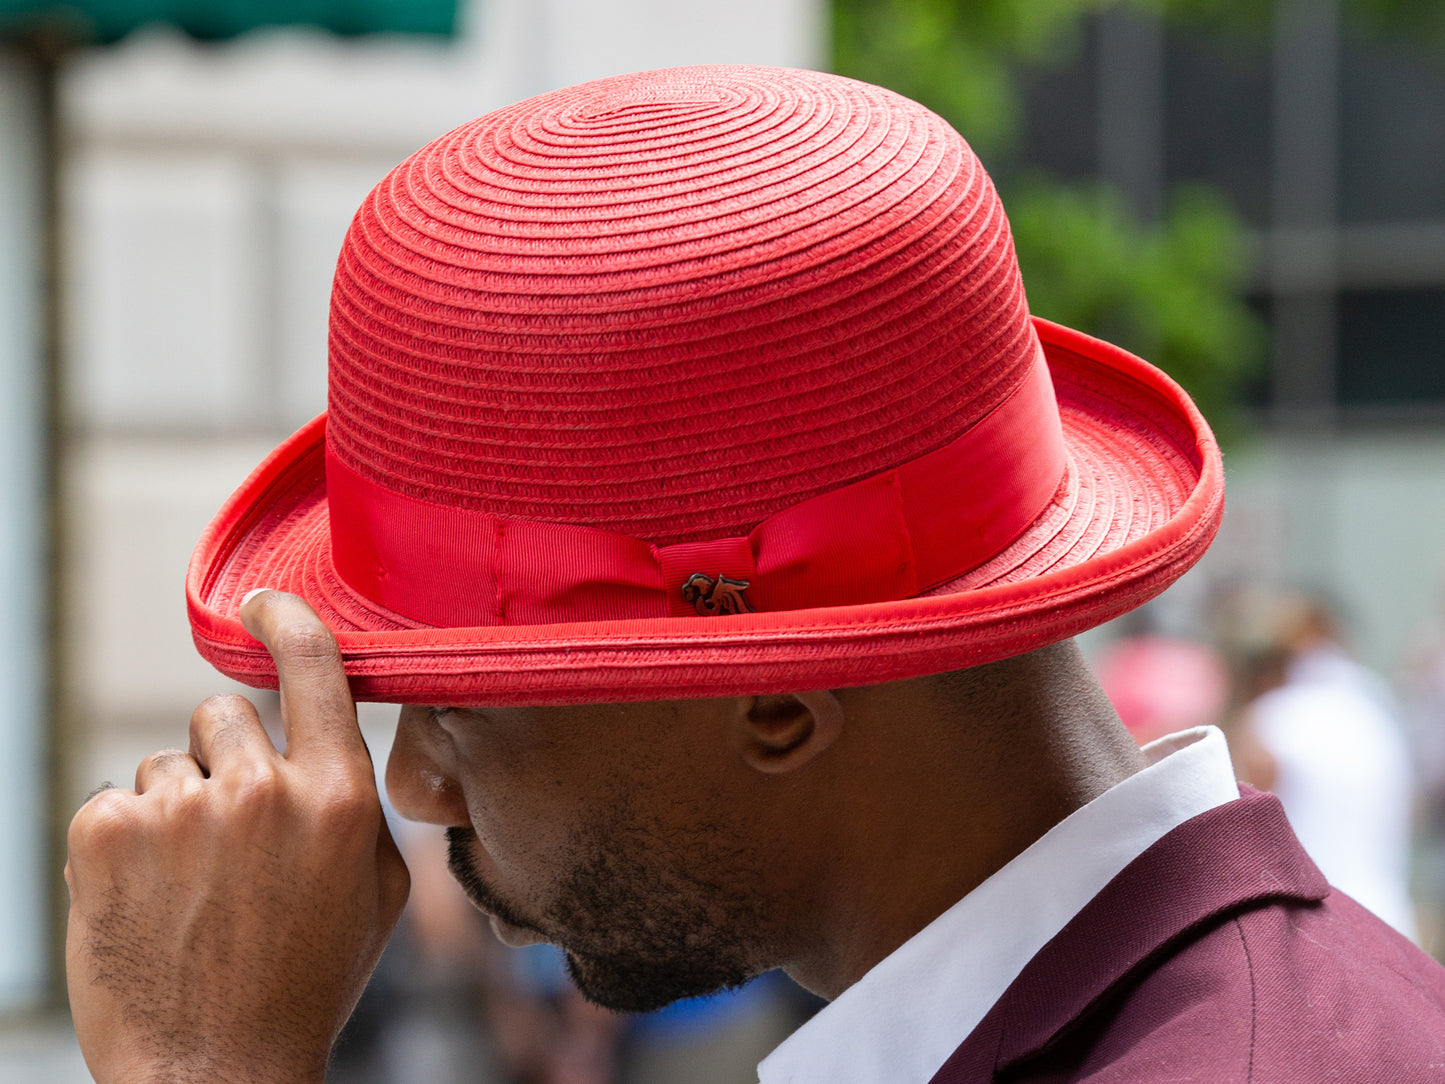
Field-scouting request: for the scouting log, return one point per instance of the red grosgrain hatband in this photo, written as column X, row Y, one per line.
column 886, row 537
column 702, row 382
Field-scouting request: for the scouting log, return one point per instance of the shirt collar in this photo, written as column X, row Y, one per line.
column 902, row 1020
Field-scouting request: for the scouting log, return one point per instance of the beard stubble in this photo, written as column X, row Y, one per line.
column 642, row 920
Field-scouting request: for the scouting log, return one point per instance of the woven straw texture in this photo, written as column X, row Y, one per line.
column 669, row 305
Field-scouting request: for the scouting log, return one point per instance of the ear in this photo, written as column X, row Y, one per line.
column 780, row 733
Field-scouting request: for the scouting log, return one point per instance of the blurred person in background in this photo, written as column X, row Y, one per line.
column 1162, row 684
column 696, row 477
column 1424, row 697
column 1328, row 739
column 548, row 1032
column 425, row 1013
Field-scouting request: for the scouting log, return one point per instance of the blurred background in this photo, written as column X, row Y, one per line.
column 1250, row 193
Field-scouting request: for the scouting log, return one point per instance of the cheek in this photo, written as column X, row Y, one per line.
column 524, row 815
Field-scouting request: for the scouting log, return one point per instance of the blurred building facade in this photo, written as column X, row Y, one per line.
column 1325, row 136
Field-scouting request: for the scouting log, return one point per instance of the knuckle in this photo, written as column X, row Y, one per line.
column 185, row 802
column 229, row 734
column 162, row 759
column 350, row 805
column 102, row 822
column 255, row 784
column 219, row 708
column 310, row 641
column 352, row 800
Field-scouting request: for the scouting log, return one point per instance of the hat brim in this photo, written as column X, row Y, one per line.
column 1141, row 501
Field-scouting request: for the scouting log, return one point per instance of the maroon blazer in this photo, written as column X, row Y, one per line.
column 1219, row 955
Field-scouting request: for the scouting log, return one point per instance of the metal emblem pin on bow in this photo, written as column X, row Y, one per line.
column 714, row 595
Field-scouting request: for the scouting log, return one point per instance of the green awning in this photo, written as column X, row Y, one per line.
column 109, row 20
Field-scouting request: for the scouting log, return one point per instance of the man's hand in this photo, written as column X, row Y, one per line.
column 225, row 915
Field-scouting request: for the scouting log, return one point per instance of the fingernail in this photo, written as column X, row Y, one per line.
column 249, row 595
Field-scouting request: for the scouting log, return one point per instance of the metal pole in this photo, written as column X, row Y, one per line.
column 28, row 336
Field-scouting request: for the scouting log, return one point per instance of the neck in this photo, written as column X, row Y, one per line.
column 945, row 781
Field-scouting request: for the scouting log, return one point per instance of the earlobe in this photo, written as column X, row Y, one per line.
column 781, row 733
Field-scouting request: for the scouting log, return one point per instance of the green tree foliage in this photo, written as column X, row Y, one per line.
column 961, row 58
column 1417, row 23
column 1169, row 290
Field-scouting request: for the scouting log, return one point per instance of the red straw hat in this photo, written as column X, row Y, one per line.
column 702, row 382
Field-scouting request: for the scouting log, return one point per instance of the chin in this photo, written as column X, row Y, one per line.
column 631, row 986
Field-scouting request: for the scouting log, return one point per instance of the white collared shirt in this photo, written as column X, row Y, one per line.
column 900, row 1022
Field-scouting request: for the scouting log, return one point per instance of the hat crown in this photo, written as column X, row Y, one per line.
column 673, row 303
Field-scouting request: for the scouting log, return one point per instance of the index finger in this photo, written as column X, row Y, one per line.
column 317, row 711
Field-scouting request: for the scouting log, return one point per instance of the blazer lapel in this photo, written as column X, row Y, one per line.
column 1237, row 855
